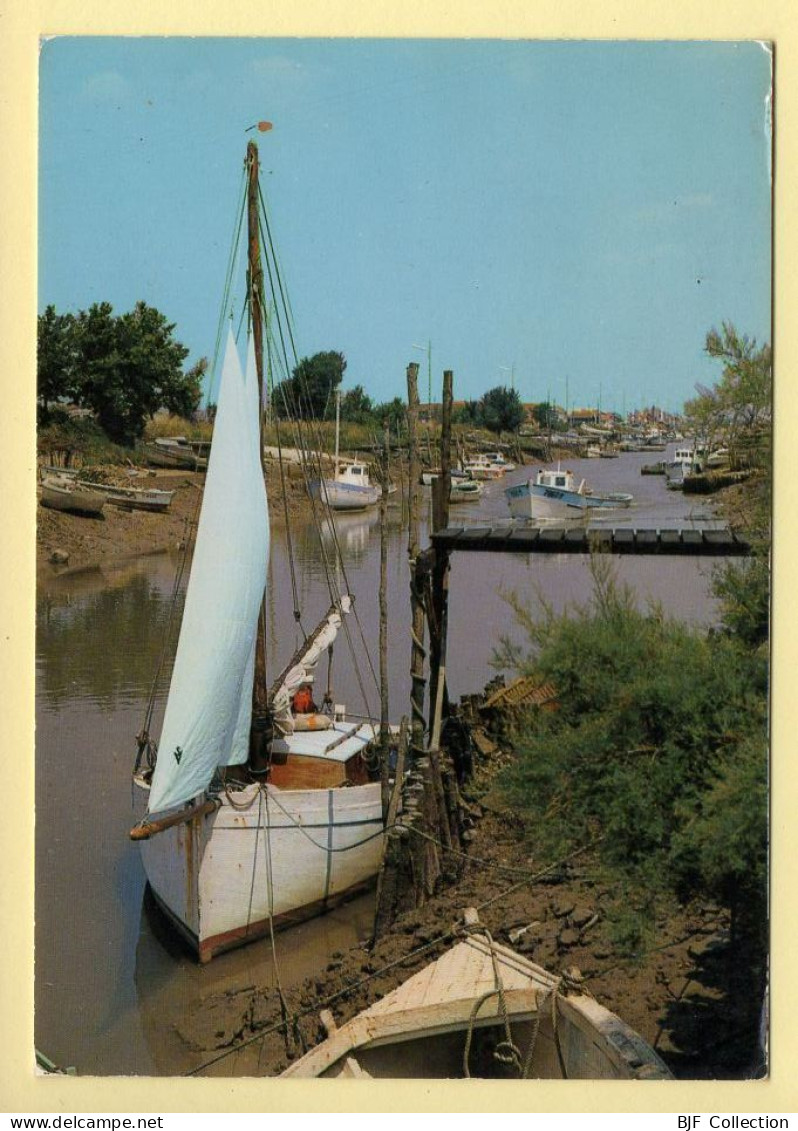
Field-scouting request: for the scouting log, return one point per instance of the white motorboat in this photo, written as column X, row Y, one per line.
column 554, row 493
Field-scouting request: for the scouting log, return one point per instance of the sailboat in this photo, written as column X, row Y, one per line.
column 259, row 808
column 350, row 488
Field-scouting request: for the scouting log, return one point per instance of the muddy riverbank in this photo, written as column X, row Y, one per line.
column 678, row 994
column 88, row 541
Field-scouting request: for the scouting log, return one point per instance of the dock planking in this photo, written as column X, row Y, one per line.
column 564, row 539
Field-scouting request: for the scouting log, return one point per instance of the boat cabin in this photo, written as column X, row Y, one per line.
column 355, row 473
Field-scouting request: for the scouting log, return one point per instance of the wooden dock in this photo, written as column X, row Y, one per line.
column 566, row 539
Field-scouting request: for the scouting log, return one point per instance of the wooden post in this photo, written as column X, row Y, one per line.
column 391, row 859
column 441, row 488
column 383, row 603
column 441, row 491
column 417, row 652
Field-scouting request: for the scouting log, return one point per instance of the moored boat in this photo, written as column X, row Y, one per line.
column 349, row 488
column 176, row 452
column 71, row 496
column 553, row 493
column 129, row 498
column 465, row 490
column 480, row 467
column 483, row 1010
column 498, row 459
column 261, row 809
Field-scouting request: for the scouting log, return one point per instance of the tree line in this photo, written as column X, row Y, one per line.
column 123, row 368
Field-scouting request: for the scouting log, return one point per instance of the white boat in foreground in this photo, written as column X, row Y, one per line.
column 483, row 1010
column 555, row 493
column 71, row 496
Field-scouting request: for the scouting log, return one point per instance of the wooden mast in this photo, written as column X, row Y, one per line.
column 261, row 729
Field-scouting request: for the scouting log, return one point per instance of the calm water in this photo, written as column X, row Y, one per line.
column 110, row 980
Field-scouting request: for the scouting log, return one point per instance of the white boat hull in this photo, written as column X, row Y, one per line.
column 225, row 878
column 72, row 498
column 345, row 496
column 530, row 500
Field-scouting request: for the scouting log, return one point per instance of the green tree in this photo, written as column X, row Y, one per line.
column 467, row 413
column 56, row 361
column 546, row 416
column 130, row 367
column 395, row 412
column 658, row 747
column 309, row 391
column 739, row 407
column 500, row 410
column 356, row 406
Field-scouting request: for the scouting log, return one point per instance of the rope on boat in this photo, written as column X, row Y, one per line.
column 506, row 1052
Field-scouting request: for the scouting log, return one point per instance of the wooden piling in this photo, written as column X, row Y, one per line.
column 383, row 606
column 418, row 652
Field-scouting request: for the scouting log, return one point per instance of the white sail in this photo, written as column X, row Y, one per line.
column 206, row 713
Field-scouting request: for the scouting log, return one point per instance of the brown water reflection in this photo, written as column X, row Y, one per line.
column 110, row 985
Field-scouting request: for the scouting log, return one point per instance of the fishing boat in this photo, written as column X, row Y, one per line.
column 137, row 498
column 129, row 498
column 481, row 468
column 483, row 1010
column 685, row 461
column 498, row 459
column 428, row 477
column 350, row 488
column 260, row 809
column 554, row 493
column 63, row 495
column 592, row 451
column 177, row 452
column 465, row 491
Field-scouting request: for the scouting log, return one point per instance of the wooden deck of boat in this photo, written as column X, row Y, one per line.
column 568, row 539
column 459, row 991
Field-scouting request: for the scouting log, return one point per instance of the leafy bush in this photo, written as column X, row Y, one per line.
column 658, row 747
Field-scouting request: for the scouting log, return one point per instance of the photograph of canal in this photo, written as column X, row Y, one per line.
column 403, row 558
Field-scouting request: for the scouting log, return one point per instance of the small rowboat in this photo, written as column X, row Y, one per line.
column 136, row 498
column 129, row 498
column 71, row 497
column 482, row 1010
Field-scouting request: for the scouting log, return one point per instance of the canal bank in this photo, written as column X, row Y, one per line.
column 559, row 913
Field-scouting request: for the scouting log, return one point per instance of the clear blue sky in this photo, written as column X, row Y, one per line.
column 575, row 210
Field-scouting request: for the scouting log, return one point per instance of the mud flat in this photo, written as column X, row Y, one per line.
column 676, row 994
column 118, row 533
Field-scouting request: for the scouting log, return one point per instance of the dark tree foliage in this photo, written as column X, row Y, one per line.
column 56, row 360
column 124, row 368
column 309, row 392
column 395, row 412
column 467, row 413
column 546, row 416
column 356, row 406
column 501, row 410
